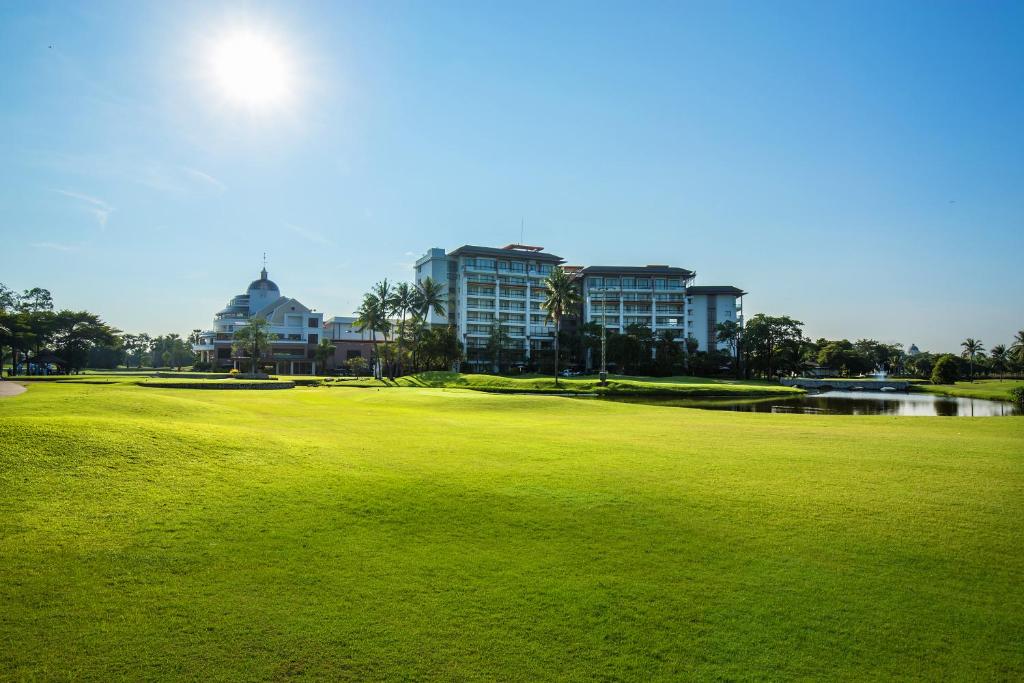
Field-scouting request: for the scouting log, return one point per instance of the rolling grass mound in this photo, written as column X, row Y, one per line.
column 992, row 389
column 151, row 534
column 617, row 385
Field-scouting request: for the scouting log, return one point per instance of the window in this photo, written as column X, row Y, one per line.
column 313, row 323
column 353, row 353
column 628, row 282
column 313, row 338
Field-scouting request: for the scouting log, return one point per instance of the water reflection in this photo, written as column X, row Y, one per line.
column 849, row 403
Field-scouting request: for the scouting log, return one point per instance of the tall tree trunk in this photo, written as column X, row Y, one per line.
column 558, row 320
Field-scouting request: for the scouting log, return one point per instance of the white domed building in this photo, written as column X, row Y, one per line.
column 295, row 330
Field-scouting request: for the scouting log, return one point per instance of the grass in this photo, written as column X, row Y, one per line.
column 620, row 385
column 993, row 389
column 438, row 534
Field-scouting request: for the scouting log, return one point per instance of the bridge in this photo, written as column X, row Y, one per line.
column 856, row 384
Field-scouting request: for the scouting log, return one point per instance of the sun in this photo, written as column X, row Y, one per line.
column 250, row 69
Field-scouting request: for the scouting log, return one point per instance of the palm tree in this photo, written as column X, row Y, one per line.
column 1017, row 348
column 562, row 297
column 403, row 302
column 252, row 339
column 385, row 294
column 999, row 355
column 430, row 296
column 372, row 315
column 972, row 347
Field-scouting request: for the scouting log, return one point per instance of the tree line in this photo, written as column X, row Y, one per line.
column 773, row 346
column 34, row 336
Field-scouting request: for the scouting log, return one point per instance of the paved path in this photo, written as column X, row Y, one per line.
column 10, row 389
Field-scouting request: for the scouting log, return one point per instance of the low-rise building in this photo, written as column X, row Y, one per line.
column 349, row 342
column 296, row 330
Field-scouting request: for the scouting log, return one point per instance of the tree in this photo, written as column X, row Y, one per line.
column 999, row 355
column 253, row 339
column 945, row 370
column 728, row 333
column 403, row 301
column 74, row 333
column 429, row 296
column 357, row 365
column 324, row 351
column 1017, row 348
column 844, row 357
column 497, row 342
column 972, row 347
column 773, row 344
column 372, row 315
column 145, row 345
column 667, row 353
column 35, row 300
column 8, row 299
column 562, row 297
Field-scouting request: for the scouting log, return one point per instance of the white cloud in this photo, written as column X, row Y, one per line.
column 204, row 177
column 310, row 235
column 55, row 246
column 97, row 207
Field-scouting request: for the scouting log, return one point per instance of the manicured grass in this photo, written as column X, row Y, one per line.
column 666, row 386
column 994, row 389
column 150, row 533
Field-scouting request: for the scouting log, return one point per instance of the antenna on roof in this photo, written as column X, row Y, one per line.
column 264, row 259
column 522, row 230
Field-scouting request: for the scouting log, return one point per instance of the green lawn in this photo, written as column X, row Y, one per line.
column 995, row 389
column 151, row 533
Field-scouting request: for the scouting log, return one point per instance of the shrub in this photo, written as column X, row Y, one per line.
column 1017, row 395
column 945, row 370
column 233, row 372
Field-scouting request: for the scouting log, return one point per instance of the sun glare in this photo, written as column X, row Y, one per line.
column 250, row 69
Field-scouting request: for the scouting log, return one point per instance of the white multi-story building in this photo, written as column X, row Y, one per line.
column 706, row 307
column 487, row 287
column 620, row 296
column 296, row 330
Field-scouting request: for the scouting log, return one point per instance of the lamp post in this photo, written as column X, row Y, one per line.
column 603, row 375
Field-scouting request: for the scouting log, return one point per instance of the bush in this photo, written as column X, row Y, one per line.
column 233, row 372
column 946, row 370
column 1017, row 395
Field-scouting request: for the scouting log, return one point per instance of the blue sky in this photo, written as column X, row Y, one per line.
column 859, row 165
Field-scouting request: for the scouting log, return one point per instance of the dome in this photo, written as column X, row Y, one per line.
column 263, row 284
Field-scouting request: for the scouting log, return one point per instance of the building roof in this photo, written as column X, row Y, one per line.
column 715, row 289
column 263, row 283
column 511, row 250
column 637, row 270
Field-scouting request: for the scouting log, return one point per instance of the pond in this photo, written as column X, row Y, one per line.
column 848, row 403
